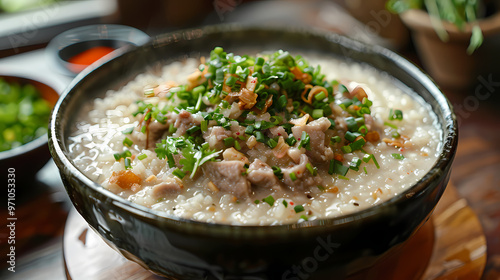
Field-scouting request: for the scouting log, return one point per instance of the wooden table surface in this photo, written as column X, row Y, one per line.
column 42, row 210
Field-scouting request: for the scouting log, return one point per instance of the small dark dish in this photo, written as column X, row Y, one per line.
column 71, row 43
column 183, row 249
column 27, row 159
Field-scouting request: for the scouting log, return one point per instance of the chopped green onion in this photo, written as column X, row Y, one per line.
column 126, row 153
column 179, row 173
column 343, row 178
column 311, row 169
column 170, row 160
column 317, row 113
column 218, row 50
column 204, row 125
column 375, row 161
column 184, row 95
column 237, row 145
column 395, row 115
column 335, row 139
column 192, row 130
column 199, row 90
column 293, row 176
column 128, row 130
column 331, row 167
column 272, row 143
column 321, row 188
column 363, row 129
column 398, row 156
column 269, row 200
column 360, row 121
column 224, row 104
column 117, row 156
column 346, row 149
column 231, row 81
column 277, row 172
column 305, row 141
column 332, row 124
column 351, row 136
column 358, row 144
column 367, row 157
column 249, row 130
column 260, row 136
column 298, row 208
column 171, row 128
column 291, row 141
column 304, row 217
column 345, row 104
column 232, row 68
column 219, row 76
column 340, row 169
column 260, row 61
column 352, row 124
column 320, row 96
column 149, row 92
column 355, row 163
column 285, row 203
column 256, row 201
column 282, row 101
column 395, row 134
column 390, row 125
column 342, row 88
column 142, row 156
column 128, row 164
column 229, row 141
column 364, row 167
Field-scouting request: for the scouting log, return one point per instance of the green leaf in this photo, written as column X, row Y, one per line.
column 476, row 40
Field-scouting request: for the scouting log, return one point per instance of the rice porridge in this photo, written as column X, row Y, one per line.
column 269, row 139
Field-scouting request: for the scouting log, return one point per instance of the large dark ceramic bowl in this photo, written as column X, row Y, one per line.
column 183, row 249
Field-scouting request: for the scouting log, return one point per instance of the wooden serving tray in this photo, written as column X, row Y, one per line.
column 451, row 245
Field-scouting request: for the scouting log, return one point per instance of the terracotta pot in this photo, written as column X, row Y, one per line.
column 448, row 62
column 379, row 20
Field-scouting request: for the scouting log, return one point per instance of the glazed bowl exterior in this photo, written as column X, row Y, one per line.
column 184, row 249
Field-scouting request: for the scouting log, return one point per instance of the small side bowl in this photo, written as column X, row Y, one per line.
column 185, row 249
column 77, row 40
column 27, row 159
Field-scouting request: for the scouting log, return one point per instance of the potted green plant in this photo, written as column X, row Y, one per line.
column 457, row 40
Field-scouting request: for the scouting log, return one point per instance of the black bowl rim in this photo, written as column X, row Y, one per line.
column 39, row 141
column 443, row 162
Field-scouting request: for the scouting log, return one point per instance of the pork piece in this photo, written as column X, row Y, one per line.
column 233, row 154
column 183, row 122
column 277, row 131
column 261, row 175
column 316, row 130
column 215, row 135
column 304, row 179
column 156, row 132
column 228, row 177
column 169, row 186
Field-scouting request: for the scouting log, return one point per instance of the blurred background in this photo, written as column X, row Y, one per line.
column 471, row 82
